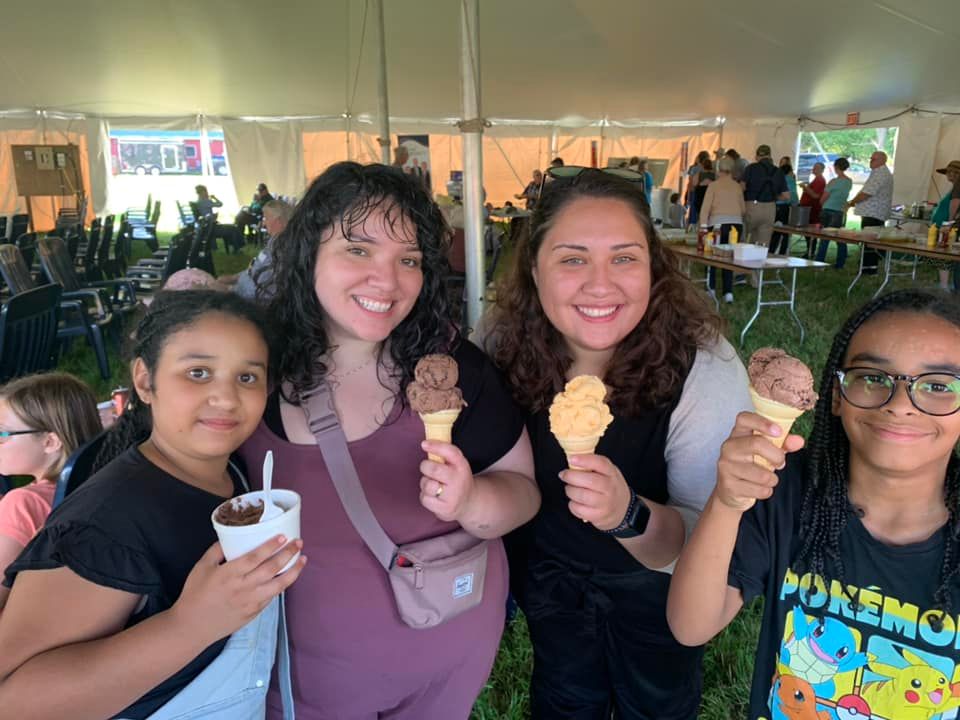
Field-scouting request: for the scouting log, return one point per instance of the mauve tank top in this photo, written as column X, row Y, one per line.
column 349, row 647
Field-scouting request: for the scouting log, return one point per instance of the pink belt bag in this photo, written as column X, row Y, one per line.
column 433, row 580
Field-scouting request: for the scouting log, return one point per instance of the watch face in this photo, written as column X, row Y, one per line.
column 641, row 517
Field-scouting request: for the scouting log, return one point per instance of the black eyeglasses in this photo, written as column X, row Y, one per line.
column 4, row 434
column 931, row 393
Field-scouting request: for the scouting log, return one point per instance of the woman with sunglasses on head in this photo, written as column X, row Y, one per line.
column 593, row 291
column 358, row 295
column 853, row 542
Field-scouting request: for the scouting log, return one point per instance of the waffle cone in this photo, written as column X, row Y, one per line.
column 578, row 446
column 439, row 426
column 777, row 412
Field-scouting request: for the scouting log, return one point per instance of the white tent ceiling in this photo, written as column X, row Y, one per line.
column 541, row 59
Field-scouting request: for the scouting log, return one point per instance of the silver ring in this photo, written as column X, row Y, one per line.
column 439, row 491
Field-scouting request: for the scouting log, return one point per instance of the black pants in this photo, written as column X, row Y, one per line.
column 601, row 644
column 726, row 276
column 872, row 259
column 780, row 243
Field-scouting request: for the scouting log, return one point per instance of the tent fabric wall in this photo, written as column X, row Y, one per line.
column 265, row 152
column 40, row 129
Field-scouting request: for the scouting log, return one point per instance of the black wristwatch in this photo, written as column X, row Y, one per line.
column 634, row 522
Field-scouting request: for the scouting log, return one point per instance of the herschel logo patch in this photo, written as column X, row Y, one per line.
column 463, row 585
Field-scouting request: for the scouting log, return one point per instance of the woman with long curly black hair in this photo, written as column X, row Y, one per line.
column 358, row 298
column 853, row 543
column 593, row 291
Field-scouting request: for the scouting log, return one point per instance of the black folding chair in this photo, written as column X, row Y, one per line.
column 27, row 245
column 19, row 225
column 201, row 250
column 148, row 276
column 28, row 332
column 83, row 311
column 3, row 228
column 78, row 468
column 86, row 259
column 55, row 260
column 102, row 269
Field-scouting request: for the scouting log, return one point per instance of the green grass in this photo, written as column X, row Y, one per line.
column 822, row 306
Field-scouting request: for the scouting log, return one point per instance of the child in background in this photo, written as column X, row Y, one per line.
column 854, row 543
column 123, row 596
column 675, row 212
column 43, row 419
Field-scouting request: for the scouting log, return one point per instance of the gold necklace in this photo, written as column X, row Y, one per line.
column 339, row 377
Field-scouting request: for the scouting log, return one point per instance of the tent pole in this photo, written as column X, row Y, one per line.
column 384, row 105
column 472, row 129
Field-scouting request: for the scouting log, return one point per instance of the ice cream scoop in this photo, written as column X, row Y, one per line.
column 781, row 387
column 782, row 378
column 434, row 396
column 579, row 416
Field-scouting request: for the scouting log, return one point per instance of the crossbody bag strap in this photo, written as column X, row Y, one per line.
column 325, row 426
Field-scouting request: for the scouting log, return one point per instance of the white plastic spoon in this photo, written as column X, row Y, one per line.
column 270, row 509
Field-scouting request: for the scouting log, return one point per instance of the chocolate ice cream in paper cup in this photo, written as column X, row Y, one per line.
column 238, row 526
column 781, row 387
column 434, row 395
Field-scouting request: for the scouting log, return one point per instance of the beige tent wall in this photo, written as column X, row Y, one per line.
column 265, row 152
column 37, row 129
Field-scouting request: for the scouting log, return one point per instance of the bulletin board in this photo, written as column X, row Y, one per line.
column 44, row 170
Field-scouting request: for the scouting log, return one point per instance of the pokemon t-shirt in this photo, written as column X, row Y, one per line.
column 884, row 655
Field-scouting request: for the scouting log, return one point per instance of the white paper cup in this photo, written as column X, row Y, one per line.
column 238, row 540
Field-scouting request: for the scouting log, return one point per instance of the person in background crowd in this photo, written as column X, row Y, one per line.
column 205, row 205
column 739, row 164
column 400, row 156
column 592, row 291
column 532, row 190
column 873, row 204
column 43, row 419
column 705, row 178
column 948, row 209
column 832, row 210
column 811, row 198
column 205, row 202
column 276, row 215
column 780, row 243
column 693, row 180
column 763, row 184
column 647, row 180
column 675, row 212
column 556, row 162
column 249, row 216
column 723, row 210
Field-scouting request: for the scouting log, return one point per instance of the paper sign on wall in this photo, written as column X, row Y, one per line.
column 44, row 158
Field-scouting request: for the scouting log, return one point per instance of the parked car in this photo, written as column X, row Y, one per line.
column 858, row 172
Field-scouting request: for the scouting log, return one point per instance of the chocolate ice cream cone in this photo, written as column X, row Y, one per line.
column 439, row 426
column 783, row 415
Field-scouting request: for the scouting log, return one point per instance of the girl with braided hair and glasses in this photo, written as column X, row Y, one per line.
column 123, row 598
column 853, row 542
